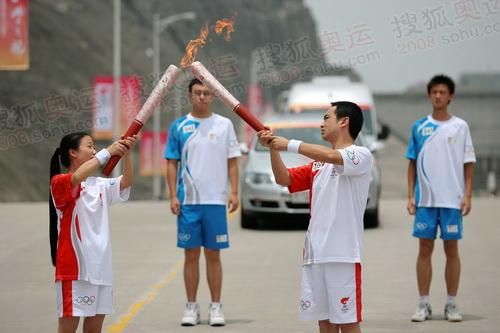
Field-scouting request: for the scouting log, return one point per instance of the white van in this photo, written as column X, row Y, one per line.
column 316, row 96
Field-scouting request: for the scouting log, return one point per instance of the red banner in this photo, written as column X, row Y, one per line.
column 130, row 91
column 14, row 35
column 147, row 155
column 130, row 103
column 103, row 107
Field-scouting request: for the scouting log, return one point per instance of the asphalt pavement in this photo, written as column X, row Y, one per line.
column 261, row 271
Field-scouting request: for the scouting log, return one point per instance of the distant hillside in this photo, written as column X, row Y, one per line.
column 71, row 42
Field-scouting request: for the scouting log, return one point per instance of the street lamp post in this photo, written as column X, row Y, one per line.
column 160, row 24
column 116, row 73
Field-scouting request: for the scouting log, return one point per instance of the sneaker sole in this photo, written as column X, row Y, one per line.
column 217, row 325
column 452, row 320
column 421, row 321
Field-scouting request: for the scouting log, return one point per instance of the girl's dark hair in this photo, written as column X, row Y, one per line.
column 60, row 156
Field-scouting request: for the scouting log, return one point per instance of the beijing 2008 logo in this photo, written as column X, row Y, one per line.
column 344, row 301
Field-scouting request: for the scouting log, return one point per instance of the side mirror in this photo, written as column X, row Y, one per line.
column 244, row 148
column 384, row 132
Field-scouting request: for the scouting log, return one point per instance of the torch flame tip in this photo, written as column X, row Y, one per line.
column 223, row 26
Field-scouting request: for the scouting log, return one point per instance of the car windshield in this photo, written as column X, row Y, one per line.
column 367, row 118
column 306, row 134
column 367, row 122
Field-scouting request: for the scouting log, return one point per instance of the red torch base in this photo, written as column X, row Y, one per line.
column 132, row 130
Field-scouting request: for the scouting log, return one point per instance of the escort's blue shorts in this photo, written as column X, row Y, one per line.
column 202, row 225
column 427, row 220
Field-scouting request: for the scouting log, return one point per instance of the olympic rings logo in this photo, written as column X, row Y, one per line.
column 184, row 237
column 353, row 157
column 304, row 305
column 89, row 300
column 421, row 225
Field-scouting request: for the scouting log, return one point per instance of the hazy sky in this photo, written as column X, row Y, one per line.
column 397, row 43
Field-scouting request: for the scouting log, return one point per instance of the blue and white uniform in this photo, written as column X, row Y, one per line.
column 440, row 149
column 202, row 146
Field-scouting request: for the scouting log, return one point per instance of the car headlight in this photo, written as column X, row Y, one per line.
column 258, row 178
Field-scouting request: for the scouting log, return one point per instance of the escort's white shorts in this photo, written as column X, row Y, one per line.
column 82, row 299
column 331, row 291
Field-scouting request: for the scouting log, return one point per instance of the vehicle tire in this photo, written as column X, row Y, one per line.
column 371, row 219
column 248, row 221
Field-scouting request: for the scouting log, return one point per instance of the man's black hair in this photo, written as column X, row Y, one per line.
column 193, row 82
column 441, row 79
column 353, row 112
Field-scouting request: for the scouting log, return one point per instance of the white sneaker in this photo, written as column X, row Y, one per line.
column 451, row 313
column 191, row 315
column 215, row 315
column 424, row 312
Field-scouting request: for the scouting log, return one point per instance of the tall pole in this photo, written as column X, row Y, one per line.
column 156, row 114
column 116, row 73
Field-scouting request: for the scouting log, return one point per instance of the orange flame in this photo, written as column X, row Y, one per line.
column 228, row 25
column 193, row 47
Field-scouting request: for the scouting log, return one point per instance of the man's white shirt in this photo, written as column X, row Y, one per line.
column 440, row 148
column 202, row 146
column 339, row 195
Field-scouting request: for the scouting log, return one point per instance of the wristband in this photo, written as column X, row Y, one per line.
column 293, row 146
column 103, row 156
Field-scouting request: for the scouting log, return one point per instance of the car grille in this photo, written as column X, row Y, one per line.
column 297, row 205
column 264, row 203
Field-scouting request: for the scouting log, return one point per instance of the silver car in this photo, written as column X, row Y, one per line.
column 262, row 200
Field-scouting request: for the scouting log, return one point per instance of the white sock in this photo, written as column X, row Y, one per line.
column 425, row 299
column 451, row 299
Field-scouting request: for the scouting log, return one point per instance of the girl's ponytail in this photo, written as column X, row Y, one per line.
column 55, row 169
column 60, row 156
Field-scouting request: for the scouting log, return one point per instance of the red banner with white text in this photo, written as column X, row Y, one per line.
column 14, row 35
column 130, row 103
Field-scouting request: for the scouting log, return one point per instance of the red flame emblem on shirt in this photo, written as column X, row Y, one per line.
column 344, row 300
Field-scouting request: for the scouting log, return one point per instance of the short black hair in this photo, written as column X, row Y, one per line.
column 441, row 79
column 193, row 82
column 353, row 112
